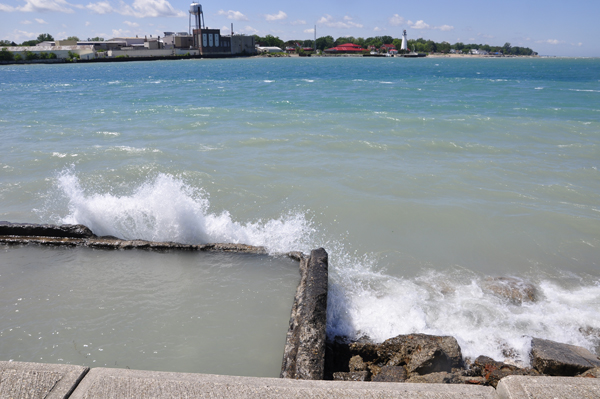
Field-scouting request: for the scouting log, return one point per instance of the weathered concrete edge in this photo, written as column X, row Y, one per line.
column 80, row 235
column 71, row 375
column 513, row 386
column 98, row 383
column 304, row 351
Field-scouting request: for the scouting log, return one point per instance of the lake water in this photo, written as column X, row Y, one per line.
column 422, row 178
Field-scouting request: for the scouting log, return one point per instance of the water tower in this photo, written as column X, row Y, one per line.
column 197, row 15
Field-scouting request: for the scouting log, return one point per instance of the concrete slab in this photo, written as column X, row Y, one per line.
column 101, row 383
column 523, row 387
column 35, row 380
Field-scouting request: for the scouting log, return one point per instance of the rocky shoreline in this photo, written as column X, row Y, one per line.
column 421, row 358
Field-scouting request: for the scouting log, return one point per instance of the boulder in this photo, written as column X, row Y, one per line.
column 351, row 376
column 556, row 359
column 492, row 371
column 45, row 230
column 390, row 374
column 515, row 290
column 591, row 373
column 436, row 378
column 421, row 353
column 356, row 364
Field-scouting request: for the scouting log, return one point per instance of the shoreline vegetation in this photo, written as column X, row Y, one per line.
column 371, row 47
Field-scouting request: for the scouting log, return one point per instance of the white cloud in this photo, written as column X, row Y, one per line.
column 6, row 8
column 309, row 30
column 298, row 22
column 236, row 15
column 250, row 30
column 18, row 36
column 26, row 22
column 225, row 30
column 154, row 8
column 41, row 21
column 329, row 21
column 397, row 20
column 139, row 9
column 102, row 7
column 377, row 29
column 420, row 25
column 132, row 24
column 551, row 41
column 87, row 23
column 276, row 17
column 578, row 44
column 121, row 33
column 41, row 6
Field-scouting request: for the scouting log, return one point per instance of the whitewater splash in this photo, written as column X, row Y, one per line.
column 166, row 209
column 363, row 300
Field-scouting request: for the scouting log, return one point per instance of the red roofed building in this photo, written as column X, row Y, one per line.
column 347, row 48
column 388, row 47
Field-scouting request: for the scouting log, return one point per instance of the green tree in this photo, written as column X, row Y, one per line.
column 325, row 42
column 506, row 48
column 30, row 43
column 73, row 38
column 96, row 39
column 30, row 55
column 18, row 57
column 44, row 37
column 7, row 43
column 6, row 55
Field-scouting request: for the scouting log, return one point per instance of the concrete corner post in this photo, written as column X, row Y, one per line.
column 304, row 353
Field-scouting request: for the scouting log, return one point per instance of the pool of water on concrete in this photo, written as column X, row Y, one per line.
column 195, row 312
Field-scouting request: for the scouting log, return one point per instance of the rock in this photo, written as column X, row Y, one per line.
column 435, row 378
column 591, row 373
column 391, row 374
column 556, row 359
column 351, row 376
column 304, row 352
column 515, row 290
column 493, row 371
column 356, row 364
column 45, row 230
column 421, row 353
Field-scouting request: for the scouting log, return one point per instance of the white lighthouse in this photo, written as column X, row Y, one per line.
column 404, row 42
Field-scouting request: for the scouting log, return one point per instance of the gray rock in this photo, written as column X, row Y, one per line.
column 591, row 373
column 45, row 230
column 351, row 376
column 304, row 352
column 435, row 378
column 421, row 353
column 356, row 364
column 390, row 374
column 556, row 359
column 515, row 290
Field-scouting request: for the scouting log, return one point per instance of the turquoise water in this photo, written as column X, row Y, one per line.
column 421, row 177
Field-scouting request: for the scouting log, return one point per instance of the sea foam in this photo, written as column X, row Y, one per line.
column 167, row 209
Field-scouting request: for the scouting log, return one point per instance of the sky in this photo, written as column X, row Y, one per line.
column 549, row 27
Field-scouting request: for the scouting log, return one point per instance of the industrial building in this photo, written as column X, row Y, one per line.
column 198, row 41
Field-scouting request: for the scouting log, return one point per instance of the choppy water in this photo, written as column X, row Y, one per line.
column 422, row 178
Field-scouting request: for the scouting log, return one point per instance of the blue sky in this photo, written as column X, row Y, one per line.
column 549, row 27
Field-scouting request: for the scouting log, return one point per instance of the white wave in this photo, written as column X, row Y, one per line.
column 592, row 91
column 166, row 209
column 446, row 303
column 268, row 81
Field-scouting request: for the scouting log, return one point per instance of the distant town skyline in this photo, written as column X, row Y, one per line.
column 549, row 27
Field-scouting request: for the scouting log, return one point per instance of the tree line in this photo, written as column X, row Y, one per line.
column 419, row 45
